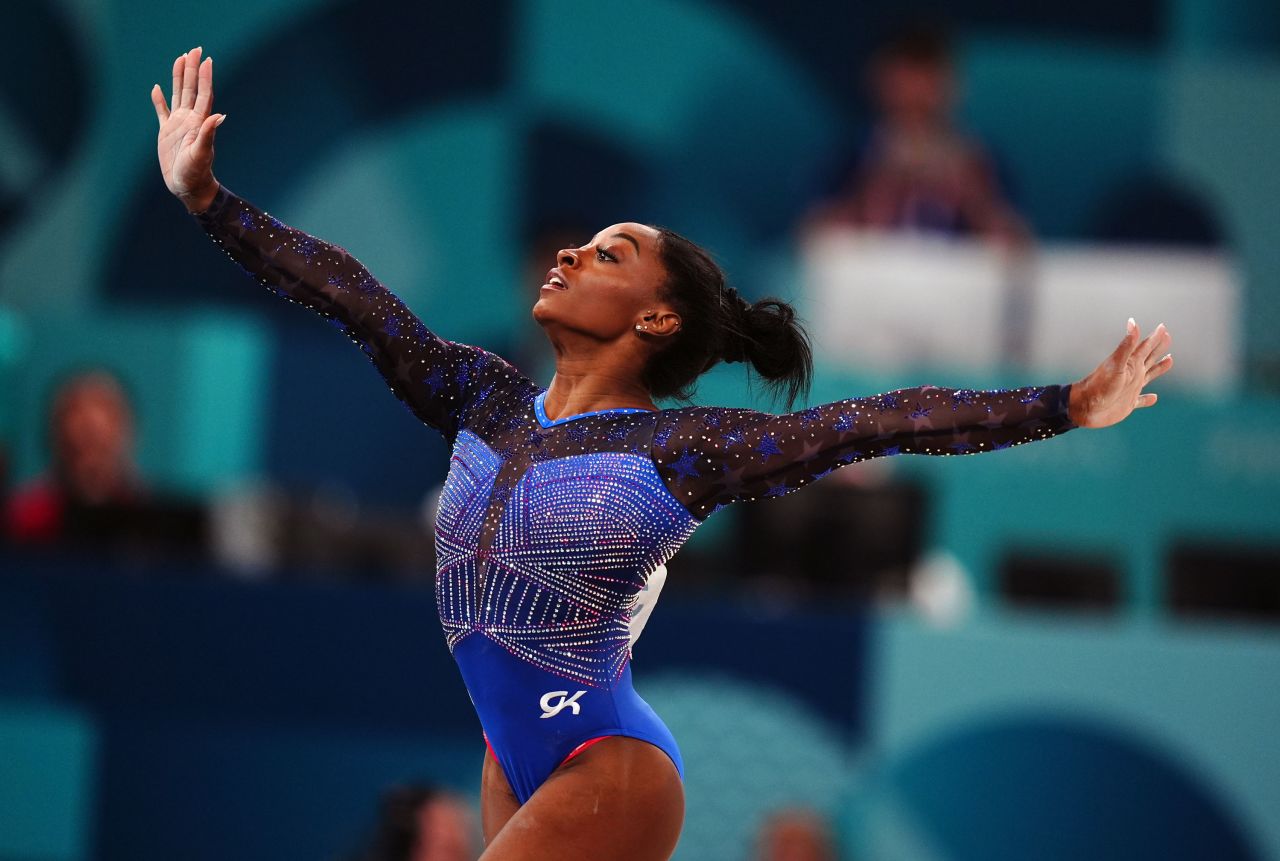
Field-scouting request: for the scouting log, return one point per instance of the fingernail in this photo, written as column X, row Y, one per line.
column 1131, row 324
column 220, row 119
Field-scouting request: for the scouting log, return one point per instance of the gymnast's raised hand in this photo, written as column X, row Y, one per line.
column 185, row 142
column 1114, row 389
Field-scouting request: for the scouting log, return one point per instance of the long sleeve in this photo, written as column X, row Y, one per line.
column 711, row 456
column 439, row 381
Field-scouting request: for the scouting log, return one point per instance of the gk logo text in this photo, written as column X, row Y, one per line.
column 551, row 706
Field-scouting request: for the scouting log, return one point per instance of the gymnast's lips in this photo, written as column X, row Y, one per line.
column 555, row 280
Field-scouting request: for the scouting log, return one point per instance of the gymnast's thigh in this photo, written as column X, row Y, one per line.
column 620, row 799
column 498, row 803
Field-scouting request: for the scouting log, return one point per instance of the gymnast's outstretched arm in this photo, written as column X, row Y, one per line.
column 711, row 457
column 438, row 380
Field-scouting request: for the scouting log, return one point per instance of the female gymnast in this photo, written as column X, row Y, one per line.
column 561, row 502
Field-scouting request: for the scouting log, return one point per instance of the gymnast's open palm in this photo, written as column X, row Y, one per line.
column 185, row 142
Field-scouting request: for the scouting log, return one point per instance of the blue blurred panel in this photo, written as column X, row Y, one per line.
column 1086, row 737
column 1071, row 120
column 1223, row 116
column 1058, row 789
column 223, row 402
column 12, row 346
column 197, row 645
column 38, row 141
column 585, row 177
column 685, row 85
column 820, row 660
column 206, row 789
column 362, row 65
column 429, row 205
column 46, row 783
column 829, row 36
column 28, row 656
column 333, row 423
column 749, row 748
column 1217, row 28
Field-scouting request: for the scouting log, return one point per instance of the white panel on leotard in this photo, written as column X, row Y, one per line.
column 645, row 600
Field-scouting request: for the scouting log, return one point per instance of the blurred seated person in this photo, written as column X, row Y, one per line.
column 421, row 823
column 795, row 834
column 916, row 171
column 92, row 493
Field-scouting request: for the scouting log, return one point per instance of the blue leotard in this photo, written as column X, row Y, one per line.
column 548, row 531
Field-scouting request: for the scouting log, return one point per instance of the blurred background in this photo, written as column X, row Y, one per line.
column 217, row 631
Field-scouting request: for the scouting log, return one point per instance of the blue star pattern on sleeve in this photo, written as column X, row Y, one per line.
column 685, row 465
column 768, row 447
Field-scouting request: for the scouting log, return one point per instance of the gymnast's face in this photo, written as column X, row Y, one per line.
column 604, row 289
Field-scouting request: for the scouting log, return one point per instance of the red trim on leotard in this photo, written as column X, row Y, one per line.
column 577, row 750
column 580, row 748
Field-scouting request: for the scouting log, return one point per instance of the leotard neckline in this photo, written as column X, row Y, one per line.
column 541, row 412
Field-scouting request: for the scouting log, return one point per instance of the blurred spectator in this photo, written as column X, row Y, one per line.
column 92, row 492
column 421, row 823
column 91, row 435
column 917, row 171
column 795, row 834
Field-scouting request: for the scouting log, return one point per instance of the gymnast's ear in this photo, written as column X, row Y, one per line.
column 661, row 322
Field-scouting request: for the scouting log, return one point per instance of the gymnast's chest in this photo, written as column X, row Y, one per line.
column 508, row 499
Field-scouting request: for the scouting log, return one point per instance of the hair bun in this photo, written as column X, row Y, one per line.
column 737, row 342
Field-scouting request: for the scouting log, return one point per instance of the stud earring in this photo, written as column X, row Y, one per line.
column 640, row 328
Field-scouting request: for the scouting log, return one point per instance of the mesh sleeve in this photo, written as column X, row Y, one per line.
column 712, row 456
column 439, row 381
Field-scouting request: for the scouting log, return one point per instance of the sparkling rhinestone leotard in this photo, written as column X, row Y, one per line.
column 548, row 531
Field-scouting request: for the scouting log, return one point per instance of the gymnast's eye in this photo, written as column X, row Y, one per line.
column 603, row 255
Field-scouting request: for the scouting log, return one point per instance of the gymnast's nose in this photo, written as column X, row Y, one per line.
column 567, row 258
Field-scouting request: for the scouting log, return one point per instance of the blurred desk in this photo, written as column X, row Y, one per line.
column 884, row 301
column 1083, row 295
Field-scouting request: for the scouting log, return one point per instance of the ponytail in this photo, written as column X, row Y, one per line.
column 718, row 325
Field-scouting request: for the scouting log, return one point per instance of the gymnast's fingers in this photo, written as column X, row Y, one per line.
column 189, row 73
column 175, row 99
column 1149, row 345
column 203, row 145
column 1124, row 349
column 1159, row 349
column 1159, row 368
column 157, row 99
column 204, row 88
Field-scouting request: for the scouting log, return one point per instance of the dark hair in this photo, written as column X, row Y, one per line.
column 717, row 326
column 925, row 43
